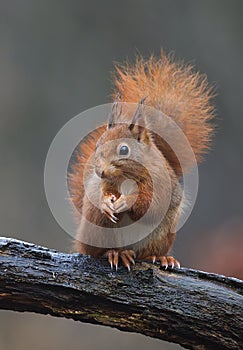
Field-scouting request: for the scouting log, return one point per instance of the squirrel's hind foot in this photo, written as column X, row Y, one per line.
column 126, row 256
column 165, row 261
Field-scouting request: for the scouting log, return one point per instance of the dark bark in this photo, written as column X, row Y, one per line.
column 196, row 309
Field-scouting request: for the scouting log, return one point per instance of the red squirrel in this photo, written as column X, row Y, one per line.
column 183, row 95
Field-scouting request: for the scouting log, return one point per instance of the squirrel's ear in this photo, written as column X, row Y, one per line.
column 138, row 114
column 116, row 110
column 139, row 131
column 141, row 134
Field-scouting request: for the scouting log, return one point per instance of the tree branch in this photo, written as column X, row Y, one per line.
column 196, row 309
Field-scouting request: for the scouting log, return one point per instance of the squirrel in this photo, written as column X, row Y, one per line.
column 145, row 158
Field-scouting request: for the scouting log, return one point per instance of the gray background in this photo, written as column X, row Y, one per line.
column 55, row 62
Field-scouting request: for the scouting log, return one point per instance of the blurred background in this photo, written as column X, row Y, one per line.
column 56, row 60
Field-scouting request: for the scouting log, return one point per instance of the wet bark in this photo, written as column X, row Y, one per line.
column 195, row 309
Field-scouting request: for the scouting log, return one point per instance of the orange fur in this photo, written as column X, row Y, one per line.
column 183, row 95
column 175, row 89
column 83, row 152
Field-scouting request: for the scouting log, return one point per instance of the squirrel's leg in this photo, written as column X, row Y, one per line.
column 157, row 250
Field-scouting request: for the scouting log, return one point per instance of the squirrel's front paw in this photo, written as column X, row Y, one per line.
column 107, row 207
column 110, row 205
column 124, row 203
column 165, row 261
column 127, row 257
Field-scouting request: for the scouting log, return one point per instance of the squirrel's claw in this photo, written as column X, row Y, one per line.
column 169, row 261
column 112, row 217
column 113, row 257
column 165, row 261
column 127, row 257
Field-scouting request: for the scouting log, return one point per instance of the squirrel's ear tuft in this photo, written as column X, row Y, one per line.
column 116, row 110
column 139, row 131
column 138, row 114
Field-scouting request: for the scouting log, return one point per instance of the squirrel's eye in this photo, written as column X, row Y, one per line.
column 124, row 150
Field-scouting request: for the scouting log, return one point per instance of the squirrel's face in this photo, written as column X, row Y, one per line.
column 120, row 153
